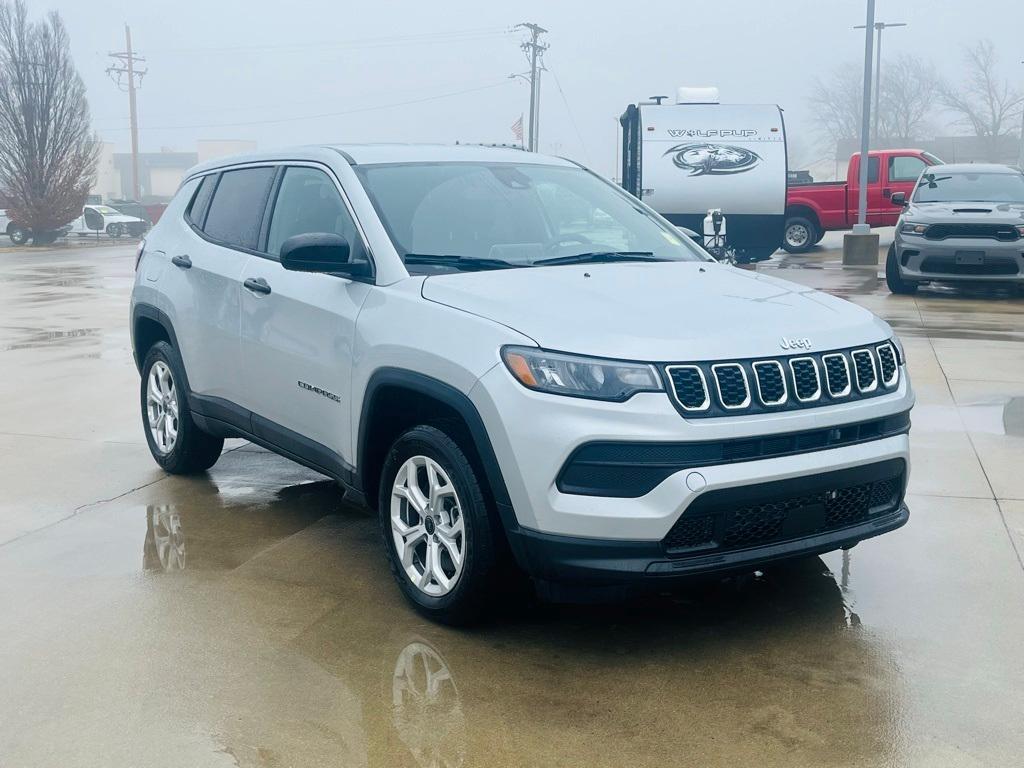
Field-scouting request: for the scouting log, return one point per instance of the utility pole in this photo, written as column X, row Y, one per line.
column 123, row 70
column 534, row 50
column 879, row 26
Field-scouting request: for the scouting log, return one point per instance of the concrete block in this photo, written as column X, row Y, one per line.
column 860, row 249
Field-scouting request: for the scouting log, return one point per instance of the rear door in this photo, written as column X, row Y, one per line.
column 878, row 205
column 298, row 327
column 223, row 224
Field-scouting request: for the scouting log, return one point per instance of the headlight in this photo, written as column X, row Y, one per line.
column 913, row 228
column 576, row 376
column 901, row 356
column 1020, row 230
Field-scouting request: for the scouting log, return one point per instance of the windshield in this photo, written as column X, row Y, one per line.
column 970, row 187
column 445, row 216
column 105, row 210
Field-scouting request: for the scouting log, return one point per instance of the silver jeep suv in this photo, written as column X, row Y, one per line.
column 521, row 367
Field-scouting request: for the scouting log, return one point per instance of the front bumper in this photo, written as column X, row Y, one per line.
column 788, row 519
column 959, row 259
column 535, row 435
column 573, row 569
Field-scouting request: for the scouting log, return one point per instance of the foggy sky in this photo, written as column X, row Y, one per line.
column 223, row 70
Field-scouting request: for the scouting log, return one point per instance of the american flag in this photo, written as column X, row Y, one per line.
column 517, row 129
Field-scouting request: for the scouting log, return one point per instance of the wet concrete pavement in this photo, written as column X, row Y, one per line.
column 247, row 617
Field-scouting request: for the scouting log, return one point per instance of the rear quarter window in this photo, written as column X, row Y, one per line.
column 196, row 212
column 236, row 210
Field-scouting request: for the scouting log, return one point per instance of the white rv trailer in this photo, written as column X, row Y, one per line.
column 695, row 155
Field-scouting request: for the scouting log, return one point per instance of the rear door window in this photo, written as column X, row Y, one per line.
column 236, row 210
column 872, row 170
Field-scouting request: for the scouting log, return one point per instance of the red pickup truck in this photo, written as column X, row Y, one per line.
column 819, row 207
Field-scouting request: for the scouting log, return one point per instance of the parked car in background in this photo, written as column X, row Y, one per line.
column 21, row 233
column 825, row 206
column 132, row 208
column 18, row 233
column 96, row 219
column 960, row 223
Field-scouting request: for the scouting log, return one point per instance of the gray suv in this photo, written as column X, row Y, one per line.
column 962, row 222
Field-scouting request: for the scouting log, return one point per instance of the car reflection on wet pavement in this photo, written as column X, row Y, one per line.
column 247, row 617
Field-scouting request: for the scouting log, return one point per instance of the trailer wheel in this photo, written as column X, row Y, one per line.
column 799, row 235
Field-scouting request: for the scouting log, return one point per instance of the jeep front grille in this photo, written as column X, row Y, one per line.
column 729, row 387
column 864, row 366
column 806, row 379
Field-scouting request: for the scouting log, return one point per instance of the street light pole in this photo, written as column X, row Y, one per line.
column 879, row 26
column 1020, row 153
column 865, row 124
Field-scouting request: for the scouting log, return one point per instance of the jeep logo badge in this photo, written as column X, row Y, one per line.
column 803, row 343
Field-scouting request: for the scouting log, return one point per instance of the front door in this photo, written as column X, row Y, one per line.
column 902, row 172
column 298, row 328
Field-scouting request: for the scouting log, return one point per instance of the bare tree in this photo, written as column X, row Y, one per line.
column 48, row 153
column 985, row 103
column 836, row 104
column 911, row 88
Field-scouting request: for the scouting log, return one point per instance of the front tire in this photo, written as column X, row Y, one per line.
column 439, row 535
column 115, row 230
column 177, row 444
column 893, row 278
column 799, row 235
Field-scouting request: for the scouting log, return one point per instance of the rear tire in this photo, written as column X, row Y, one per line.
column 799, row 235
column 19, row 235
column 177, row 444
column 431, row 507
column 893, row 278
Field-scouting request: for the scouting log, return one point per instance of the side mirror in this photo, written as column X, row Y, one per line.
column 699, row 239
column 320, row 252
column 898, row 198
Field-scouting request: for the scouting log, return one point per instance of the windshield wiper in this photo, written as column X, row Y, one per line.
column 600, row 256
column 457, row 262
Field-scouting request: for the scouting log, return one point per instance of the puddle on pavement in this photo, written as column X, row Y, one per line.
column 1001, row 417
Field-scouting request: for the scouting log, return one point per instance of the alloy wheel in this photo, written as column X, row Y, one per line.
column 162, row 407
column 427, row 526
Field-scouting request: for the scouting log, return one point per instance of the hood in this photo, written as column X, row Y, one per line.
column 967, row 212
column 657, row 311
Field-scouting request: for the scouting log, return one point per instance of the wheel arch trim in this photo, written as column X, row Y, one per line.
column 142, row 310
column 456, row 400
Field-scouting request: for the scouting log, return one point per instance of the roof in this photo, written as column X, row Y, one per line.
column 370, row 154
column 972, row 168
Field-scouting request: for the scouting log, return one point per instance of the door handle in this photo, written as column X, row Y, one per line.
column 182, row 261
column 257, row 285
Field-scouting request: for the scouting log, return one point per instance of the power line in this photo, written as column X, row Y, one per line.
column 123, row 70
column 327, row 114
column 572, row 119
column 369, row 42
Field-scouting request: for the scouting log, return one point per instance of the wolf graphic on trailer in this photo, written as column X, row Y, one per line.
column 697, row 156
